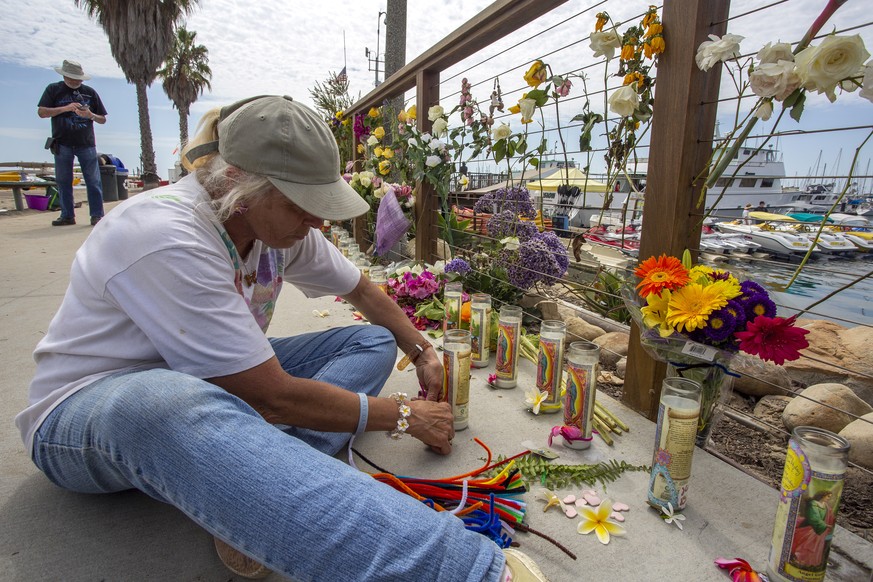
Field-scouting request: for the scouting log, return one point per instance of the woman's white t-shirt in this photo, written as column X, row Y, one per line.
column 158, row 284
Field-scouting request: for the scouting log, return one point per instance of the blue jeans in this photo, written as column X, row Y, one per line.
column 276, row 495
column 90, row 171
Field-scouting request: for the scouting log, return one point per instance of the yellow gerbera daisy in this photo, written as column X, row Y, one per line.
column 690, row 306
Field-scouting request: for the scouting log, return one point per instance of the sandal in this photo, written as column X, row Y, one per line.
column 239, row 563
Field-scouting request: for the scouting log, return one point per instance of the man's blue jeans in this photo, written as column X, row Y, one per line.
column 277, row 495
column 90, row 166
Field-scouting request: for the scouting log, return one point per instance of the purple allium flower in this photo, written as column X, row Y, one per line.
column 506, row 223
column 459, row 266
column 559, row 251
column 516, row 200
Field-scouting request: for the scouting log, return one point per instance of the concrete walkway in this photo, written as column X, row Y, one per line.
column 50, row 534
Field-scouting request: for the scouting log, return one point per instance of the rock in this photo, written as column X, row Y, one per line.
column 770, row 408
column 621, row 367
column 836, row 354
column 613, row 347
column 759, row 378
column 859, row 433
column 579, row 329
column 549, row 310
column 808, row 409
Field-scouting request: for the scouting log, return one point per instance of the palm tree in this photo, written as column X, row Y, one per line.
column 185, row 75
column 140, row 36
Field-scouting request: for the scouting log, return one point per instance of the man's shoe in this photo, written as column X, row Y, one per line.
column 239, row 563
column 521, row 568
column 63, row 221
column 95, row 220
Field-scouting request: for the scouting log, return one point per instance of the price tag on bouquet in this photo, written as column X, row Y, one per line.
column 700, row 351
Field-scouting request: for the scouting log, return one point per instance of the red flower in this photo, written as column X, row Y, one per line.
column 660, row 273
column 740, row 570
column 773, row 338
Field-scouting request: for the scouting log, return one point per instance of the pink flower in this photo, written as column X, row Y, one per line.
column 773, row 338
column 492, row 378
column 564, row 89
column 740, row 570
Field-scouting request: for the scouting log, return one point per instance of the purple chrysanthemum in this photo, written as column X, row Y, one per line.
column 720, row 325
column 459, row 266
column 759, row 304
column 750, row 288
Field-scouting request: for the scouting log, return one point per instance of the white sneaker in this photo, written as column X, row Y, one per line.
column 239, row 563
column 522, row 568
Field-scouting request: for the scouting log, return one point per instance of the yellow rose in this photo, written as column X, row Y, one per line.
column 379, row 132
column 384, row 167
column 536, row 74
column 377, row 151
column 411, row 112
column 402, row 117
column 374, row 112
column 387, row 153
column 360, row 148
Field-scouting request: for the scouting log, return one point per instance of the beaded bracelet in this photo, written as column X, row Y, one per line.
column 405, row 411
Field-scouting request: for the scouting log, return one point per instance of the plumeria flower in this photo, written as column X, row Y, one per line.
column 550, row 498
column 534, row 399
column 597, row 521
column 740, row 570
column 671, row 517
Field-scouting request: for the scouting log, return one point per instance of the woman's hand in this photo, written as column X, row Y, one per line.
column 432, row 423
column 430, row 372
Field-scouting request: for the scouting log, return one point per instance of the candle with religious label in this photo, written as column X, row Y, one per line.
column 363, row 265
column 344, row 245
column 456, row 380
column 582, row 360
column 354, row 251
column 480, row 328
column 379, row 277
column 452, row 295
column 812, row 482
column 675, row 434
column 550, row 364
column 508, row 332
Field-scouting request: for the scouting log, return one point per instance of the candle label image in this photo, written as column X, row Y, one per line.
column 805, row 518
column 453, row 311
column 456, row 388
column 575, row 397
column 506, row 345
column 671, row 466
column 546, row 367
column 479, row 331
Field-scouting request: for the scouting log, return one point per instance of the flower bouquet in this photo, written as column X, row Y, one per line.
column 696, row 317
column 417, row 290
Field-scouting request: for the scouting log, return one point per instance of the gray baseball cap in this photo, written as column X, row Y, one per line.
column 290, row 145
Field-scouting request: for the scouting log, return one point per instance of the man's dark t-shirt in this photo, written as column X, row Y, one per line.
column 68, row 128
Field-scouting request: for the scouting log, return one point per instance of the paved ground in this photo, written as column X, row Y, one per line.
column 49, row 534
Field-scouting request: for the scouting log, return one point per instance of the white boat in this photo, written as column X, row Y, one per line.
column 770, row 240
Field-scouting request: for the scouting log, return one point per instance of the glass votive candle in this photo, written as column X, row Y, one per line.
column 675, row 435
column 812, row 482
column 363, row 265
column 452, row 295
column 480, row 328
column 550, row 364
column 508, row 332
column 456, row 363
column 379, row 277
column 354, row 250
column 582, row 360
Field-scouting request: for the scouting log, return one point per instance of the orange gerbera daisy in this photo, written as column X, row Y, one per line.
column 657, row 274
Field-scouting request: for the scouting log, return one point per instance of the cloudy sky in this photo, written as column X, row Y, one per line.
column 271, row 46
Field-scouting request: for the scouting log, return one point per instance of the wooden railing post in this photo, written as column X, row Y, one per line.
column 682, row 129
column 426, row 202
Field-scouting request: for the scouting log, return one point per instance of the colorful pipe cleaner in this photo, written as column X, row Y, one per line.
column 487, row 506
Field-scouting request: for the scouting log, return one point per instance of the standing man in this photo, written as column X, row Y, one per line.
column 73, row 108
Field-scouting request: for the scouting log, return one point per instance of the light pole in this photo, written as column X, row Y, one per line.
column 376, row 60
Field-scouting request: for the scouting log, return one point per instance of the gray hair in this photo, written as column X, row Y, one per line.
column 228, row 186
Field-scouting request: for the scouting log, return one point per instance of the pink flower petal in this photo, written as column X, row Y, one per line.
column 570, row 512
column 570, row 499
column 619, row 506
column 592, row 499
column 616, row 516
column 581, row 502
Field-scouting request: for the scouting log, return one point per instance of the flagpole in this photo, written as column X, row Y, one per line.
column 344, row 49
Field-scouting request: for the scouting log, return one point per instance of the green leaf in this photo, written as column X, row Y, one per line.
column 797, row 109
column 522, row 146
column 541, row 97
column 510, row 149
column 792, row 99
column 499, row 150
column 535, row 162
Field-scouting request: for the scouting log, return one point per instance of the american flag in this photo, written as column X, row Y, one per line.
column 342, row 77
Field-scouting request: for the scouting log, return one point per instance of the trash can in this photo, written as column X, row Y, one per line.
column 120, row 181
column 561, row 225
column 107, row 179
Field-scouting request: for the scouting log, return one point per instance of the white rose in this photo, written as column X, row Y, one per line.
column 717, row 49
column 821, row 68
column 777, row 80
column 413, row 142
column 502, row 131
column 764, row 110
column 436, row 145
column 605, row 43
column 380, row 191
column 781, row 51
column 867, row 83
column 624, row 101
column 432, row 161
column 365, row 181
column 372, row 140
column 435, row 112
column 440, row 127
column 510, row 243
column 527, row 107
column 426, row 137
